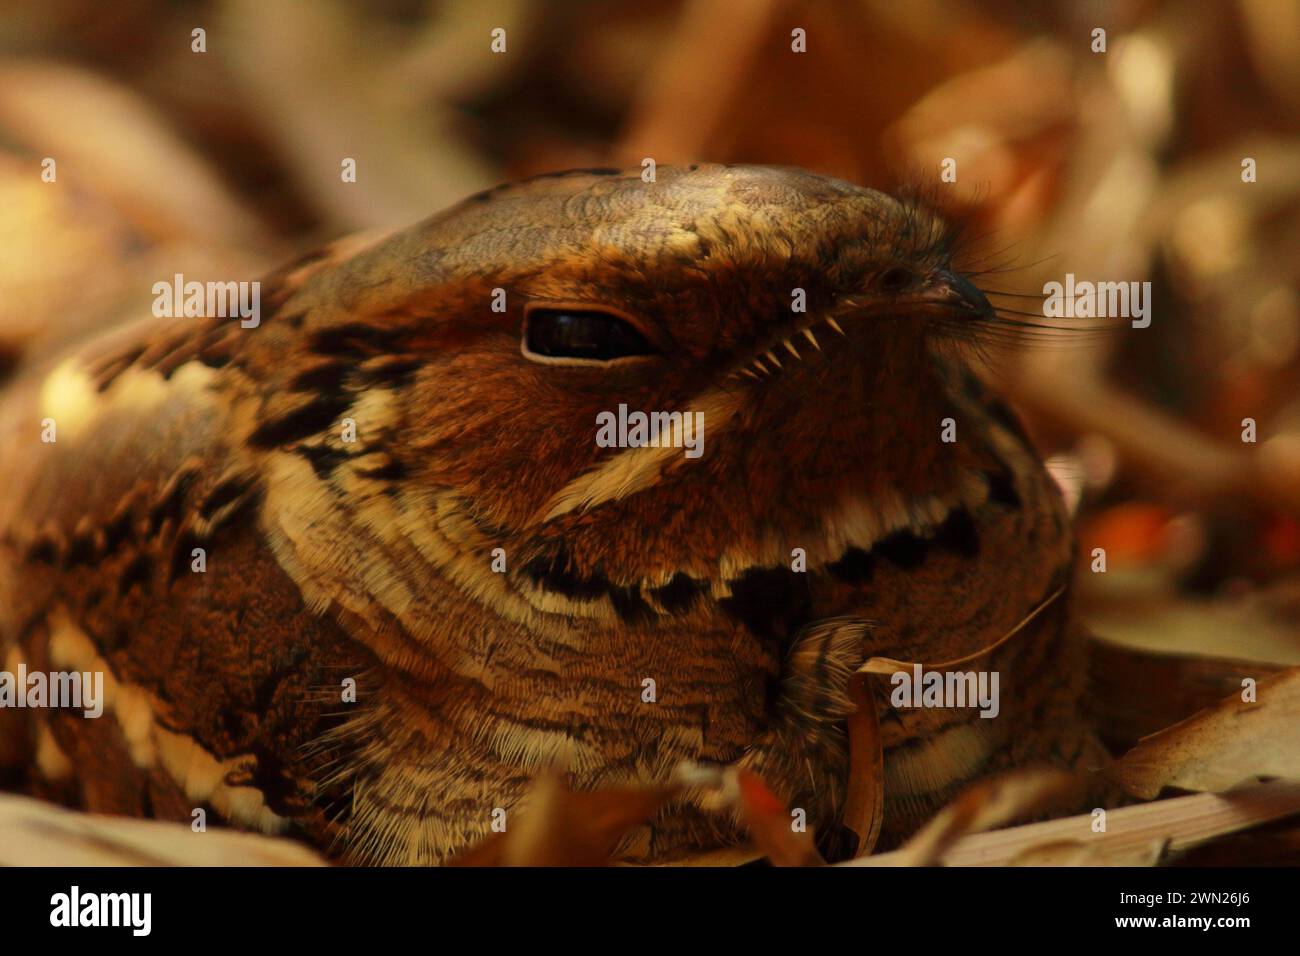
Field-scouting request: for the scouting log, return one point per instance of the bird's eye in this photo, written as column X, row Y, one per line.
column 582, row 334
column 895, row 279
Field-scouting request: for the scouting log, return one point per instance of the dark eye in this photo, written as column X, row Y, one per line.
column 895, row 279
column 581, row 334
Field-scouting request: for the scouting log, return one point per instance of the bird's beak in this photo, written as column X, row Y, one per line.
column 953, row 291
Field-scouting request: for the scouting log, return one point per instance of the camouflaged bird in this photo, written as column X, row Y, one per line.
column 500, row 586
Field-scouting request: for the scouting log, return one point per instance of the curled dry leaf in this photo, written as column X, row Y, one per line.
column 1219, row 747
column 864, row 802
column 344, row 104
column 1135, row 693
column 115, row 144
column 1141, row 835
column 720, row 39
column 771, row 825
column 34, row 833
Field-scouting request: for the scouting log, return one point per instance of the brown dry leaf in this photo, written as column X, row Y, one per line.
column 131, row 203
column 34, row 833
column 770, row 825
column 324, row 85
column 1139, row 835
column 864, row 803
column 1060, row 853
column 1002, row 137
column 1135, row 692
column 721, row 39
column 561, row 827
column 1135, row 613
column 109, row 141
column 1076, row 853
column 1221, row 746
column 987, row 804
column 1275, row 845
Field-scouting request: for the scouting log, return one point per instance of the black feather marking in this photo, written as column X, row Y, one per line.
column 322, row 378
column 357, row 340
column 301, row 422
column 223, row 494
column 81, row 551
column 679, row 594
column 855, row 566
column 909, row 550
column 322, row 458
column 958, row 534
column 246, row 506
column 395, row 373
column 117, row 531
column 173, row 502
column 1002, row 488
column 554, row 572
column 630, row 606
column 771, row 602
column 393, row 470
column 43, row 550
column 137, row 572
column 902, row 548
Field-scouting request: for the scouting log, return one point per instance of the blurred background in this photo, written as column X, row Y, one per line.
column 1124, row 165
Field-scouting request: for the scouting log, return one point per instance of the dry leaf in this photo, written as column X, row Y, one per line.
column 989, row 803
column 770, row 823
column 1131, row 835
column 111, row 141
column 864, row 802
column 1136, row 692
column 1222, row 745
column 35, row 833
column 1061, row 853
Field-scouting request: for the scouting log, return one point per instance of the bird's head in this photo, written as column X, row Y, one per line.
column 783, row 331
